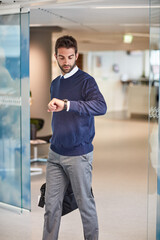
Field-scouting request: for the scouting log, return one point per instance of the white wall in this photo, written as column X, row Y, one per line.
column 131, row 66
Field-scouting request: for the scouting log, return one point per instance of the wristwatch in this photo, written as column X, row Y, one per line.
column 65, row 104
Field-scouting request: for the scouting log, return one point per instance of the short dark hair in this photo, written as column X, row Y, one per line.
column 66, row 42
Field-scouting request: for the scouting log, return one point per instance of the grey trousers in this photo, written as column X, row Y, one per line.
column 78, row 170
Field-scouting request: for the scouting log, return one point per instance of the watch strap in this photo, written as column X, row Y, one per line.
column 65, row 104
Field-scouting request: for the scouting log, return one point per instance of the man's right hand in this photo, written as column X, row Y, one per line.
column 55, row 105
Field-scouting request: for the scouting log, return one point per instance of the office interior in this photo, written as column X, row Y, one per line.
column 126, row 145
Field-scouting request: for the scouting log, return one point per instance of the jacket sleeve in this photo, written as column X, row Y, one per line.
column 93, row 103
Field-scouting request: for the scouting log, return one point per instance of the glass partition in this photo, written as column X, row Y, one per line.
column 154, row 125
column 14, row 110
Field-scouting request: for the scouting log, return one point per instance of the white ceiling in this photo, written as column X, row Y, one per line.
column 97, row 24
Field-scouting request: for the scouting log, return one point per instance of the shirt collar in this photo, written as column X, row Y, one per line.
column 67, row 75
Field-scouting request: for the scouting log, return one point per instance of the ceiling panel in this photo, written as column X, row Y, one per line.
column 97, row 28
column 95, row 21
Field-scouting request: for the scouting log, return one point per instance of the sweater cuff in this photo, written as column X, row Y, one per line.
column 73, row 106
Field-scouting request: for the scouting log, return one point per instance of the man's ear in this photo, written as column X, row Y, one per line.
column 77, row 54
column 55, row 55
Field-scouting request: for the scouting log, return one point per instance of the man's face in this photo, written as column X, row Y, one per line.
column 66, row 59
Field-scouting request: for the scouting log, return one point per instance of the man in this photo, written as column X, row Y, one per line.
column 76, row 99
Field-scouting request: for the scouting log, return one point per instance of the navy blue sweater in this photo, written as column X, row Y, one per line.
column 73, row 131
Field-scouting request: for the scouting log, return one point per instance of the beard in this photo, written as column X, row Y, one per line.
column 66, row 68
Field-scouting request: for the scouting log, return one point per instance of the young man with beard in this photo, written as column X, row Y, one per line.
column 75, row 100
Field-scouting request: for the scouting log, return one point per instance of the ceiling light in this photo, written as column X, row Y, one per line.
column 127, row 38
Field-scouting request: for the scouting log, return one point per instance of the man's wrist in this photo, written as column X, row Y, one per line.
column 66, row 105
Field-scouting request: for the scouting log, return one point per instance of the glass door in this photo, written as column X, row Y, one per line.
column 154, row 125
column 14, row 110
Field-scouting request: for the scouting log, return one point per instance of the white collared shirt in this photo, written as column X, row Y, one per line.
column 67, row 75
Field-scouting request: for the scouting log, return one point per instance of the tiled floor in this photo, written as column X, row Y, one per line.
column 119, row 184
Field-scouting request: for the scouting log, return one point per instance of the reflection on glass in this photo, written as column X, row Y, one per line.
column 10, row 104
column 12, row 148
